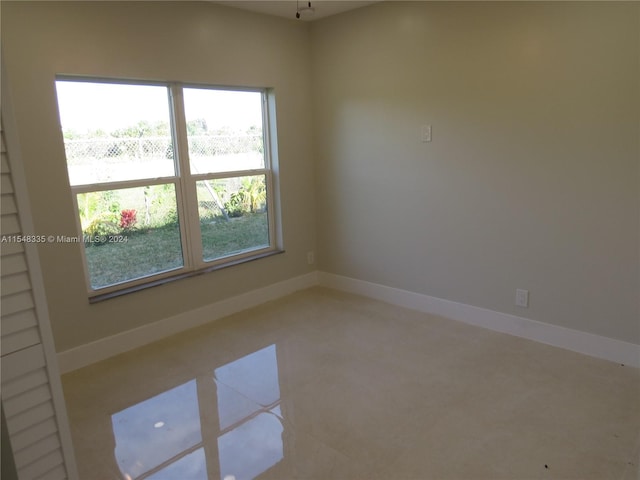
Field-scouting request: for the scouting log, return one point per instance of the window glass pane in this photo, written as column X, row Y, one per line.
column 224, row 130
column 233, row 215
column 115, row 132
column 130, row 233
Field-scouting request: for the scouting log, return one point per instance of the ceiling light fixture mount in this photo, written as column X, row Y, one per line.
column 304, row 11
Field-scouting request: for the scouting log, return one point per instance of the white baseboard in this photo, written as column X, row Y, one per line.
column 586, row 343
column 104, row 348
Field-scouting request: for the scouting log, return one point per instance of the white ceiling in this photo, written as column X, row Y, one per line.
column 287, row 8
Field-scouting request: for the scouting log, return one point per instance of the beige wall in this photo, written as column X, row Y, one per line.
column 192, row 42
column 532, row 178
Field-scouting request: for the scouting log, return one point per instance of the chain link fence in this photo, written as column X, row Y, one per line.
column 209, row 146
column 119, row 149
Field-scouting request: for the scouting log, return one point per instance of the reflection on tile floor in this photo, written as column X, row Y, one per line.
column 327, row 385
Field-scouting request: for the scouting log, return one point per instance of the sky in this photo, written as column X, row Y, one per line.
column 86, row 106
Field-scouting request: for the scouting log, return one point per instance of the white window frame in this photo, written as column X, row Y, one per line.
column 185, row 189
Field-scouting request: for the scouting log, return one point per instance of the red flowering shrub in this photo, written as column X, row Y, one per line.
column 127, row 219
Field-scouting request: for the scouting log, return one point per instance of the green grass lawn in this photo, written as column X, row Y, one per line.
column 158, row 249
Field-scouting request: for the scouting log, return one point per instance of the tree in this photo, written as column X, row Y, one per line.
column 197, row 127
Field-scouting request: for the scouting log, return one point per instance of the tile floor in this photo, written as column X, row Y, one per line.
column 326, row 385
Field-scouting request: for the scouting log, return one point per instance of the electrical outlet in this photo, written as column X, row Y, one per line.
column 426, row 133
column 522, row 298
column 311, row 257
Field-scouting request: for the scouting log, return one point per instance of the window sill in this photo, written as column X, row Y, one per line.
column 100, row 297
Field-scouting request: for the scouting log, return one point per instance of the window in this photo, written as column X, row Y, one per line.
column 167, row 179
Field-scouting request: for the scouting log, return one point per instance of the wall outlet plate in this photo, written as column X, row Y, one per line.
column 522, row 298
column 426, row 133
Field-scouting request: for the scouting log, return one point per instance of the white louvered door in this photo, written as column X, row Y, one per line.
column 31, row 391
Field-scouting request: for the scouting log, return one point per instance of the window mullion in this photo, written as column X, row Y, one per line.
column 187, row 197
column 271, row 164
column 266, row 127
